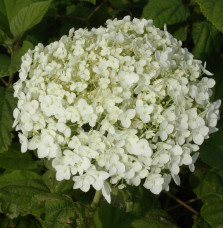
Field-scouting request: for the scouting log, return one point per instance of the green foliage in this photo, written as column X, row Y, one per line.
column 210, row 191
column 30, row 195
column 7, row 104
column 212, row 10
column 205, row 37
column 181, row 33
column 91, row 1
column 16, row 57
column 4, row 64
column 58, row 212
column 212, row 151
column 28, row 17
column 13, row 159
column 165, row 12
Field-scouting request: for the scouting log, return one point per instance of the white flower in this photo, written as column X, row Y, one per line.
column 154, row 183
column 83, row 182
column 127, row 79
column 99, row 178
column 24, row 142
column 199, row 133
column 141, row 148
column 115, row 105
column 165, row 130
column 47, row 147
column 63, row 128
column 62, row 172
column 144, row 112
column 84, row 108
column 126, row 117
column 194, row 159
column 106, row 191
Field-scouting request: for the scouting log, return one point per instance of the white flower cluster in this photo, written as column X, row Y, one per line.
column 121, row 104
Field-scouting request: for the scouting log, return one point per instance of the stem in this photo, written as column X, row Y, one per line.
column 178, row 205
column 4, row 82
column 182, row 203
column 10, row 80
column 96, row 200
column 97, row 8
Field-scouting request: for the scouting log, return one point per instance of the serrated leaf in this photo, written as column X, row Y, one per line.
column 4, row 25
column 11, row 210
column 7, row 104
column 28, row 17
column 111, row 217
column 18, row 187
column 207, row 185
column 16, row 58
column 205, row 38
column 212, row 151
column 165, row 12
column 155, row 218
column 28, row 222
column 55, row 186
column 12, row 7
column 58, row 212
column 212, row 212
column 212, row 10
column 181, row 33
column 13, row 159
column 4, row 64
column 8, row 9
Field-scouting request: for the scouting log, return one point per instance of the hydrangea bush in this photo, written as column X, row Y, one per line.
column 120, row 105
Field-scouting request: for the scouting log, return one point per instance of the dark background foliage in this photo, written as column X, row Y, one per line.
column 29, row 194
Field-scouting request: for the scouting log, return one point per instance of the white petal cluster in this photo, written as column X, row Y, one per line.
column 121, row 104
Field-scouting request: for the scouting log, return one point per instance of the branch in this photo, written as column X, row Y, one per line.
column 182, row 203
column 97, row 8
column 178, row 205
column 4, row 82
column 96, row 200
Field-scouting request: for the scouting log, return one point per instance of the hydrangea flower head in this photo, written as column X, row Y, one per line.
column 120, row 105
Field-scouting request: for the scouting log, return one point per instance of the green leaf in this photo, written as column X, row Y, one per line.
column 16, row 59
column 28, row 222
column 13, row 159
column 207, row 186
column 4, row 25
column 155, row 218
column 201, row 223
column 8, row 9
column 58, row 211
column 212, row 212
column 55, row 186
column 11, row 210
column 212, row 10
column 205, row 38
column 7, row 104
column 28, row 17
column 18, row 187
column 212, row 151
column 4, row 64
column 165, row 12
column 91, row 1
column 111, row 217
column 181, row 33
column 2, row 37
